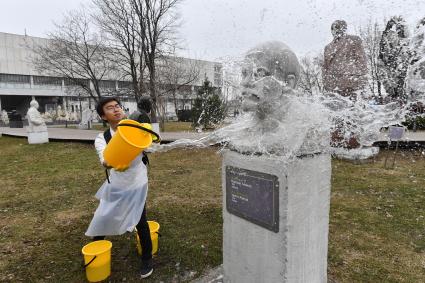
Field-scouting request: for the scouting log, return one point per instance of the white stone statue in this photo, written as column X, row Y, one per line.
column 74, row 116
column 47, row 116
column 95, row 117
column 5, row 117
column 62, row 114
column 37, row 129
column 86, row 119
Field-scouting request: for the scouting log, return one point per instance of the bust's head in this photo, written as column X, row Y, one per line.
column 269, row 70
column 271, row 58
column 339, row 28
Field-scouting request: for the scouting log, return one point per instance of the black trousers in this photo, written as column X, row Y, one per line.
column 144, row 235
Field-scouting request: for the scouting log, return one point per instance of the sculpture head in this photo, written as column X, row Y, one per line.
column 34, row 104
column 339, row 28
column 270, row 70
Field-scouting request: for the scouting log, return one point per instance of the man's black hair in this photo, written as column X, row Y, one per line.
column 102, row 101
column 145, row 104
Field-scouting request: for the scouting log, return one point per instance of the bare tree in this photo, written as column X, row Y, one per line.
column 175, row 75
column 158, row 19
column 311, row 74
column 77, row 53
column 118, row 21
column 143, row 31
column 371, row 37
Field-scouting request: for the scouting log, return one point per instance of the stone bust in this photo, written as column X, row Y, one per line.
column 276, row 118
column 35, row 121
column 270, row 71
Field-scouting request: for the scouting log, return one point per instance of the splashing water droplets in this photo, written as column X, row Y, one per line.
column 280, row 121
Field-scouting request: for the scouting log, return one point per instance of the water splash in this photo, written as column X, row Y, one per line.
column 282, row 122
column 305, row 128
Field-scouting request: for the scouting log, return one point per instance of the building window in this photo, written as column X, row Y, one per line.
column 107, row 84
column 124, row 84
column 39, row 80
column 76, row 82
column 16, row 79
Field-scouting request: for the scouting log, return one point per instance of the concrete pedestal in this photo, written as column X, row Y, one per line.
column 297, row 252
column 38, row 137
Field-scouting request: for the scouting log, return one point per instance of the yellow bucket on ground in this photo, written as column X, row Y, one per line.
column 97, row 260
column 130, row 140
column 154, row 229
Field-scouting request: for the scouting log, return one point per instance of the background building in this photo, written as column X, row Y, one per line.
column 20, row 82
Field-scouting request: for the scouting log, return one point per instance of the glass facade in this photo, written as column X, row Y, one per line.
column 15, row 79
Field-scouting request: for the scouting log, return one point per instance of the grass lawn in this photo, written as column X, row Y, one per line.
column 47, row 202
column 377, row 221
column 178, row 127
column 377, row 229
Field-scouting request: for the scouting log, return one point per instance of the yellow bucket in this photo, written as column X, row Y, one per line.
column 154, row 229
column 130, row 140
column 97, row 260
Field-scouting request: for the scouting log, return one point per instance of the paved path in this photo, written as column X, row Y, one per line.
column 90, row 135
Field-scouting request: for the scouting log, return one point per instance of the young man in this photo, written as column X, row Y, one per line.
column 123, row 196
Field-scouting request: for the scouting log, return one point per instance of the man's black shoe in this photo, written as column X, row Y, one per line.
column 146, row 269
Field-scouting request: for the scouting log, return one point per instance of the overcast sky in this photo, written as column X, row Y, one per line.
column 219, row 28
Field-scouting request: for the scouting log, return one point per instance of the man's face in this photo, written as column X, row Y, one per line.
column 112, row 112
column 261, row 90
column 251, row 89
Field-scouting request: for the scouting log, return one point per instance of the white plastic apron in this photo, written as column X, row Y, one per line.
column 121, row 201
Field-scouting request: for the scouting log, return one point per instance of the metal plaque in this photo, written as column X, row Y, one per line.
column 395, row 133
column 253, row 196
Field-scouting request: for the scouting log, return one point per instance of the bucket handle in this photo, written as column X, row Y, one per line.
column 85, row 265
column 158, row 139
